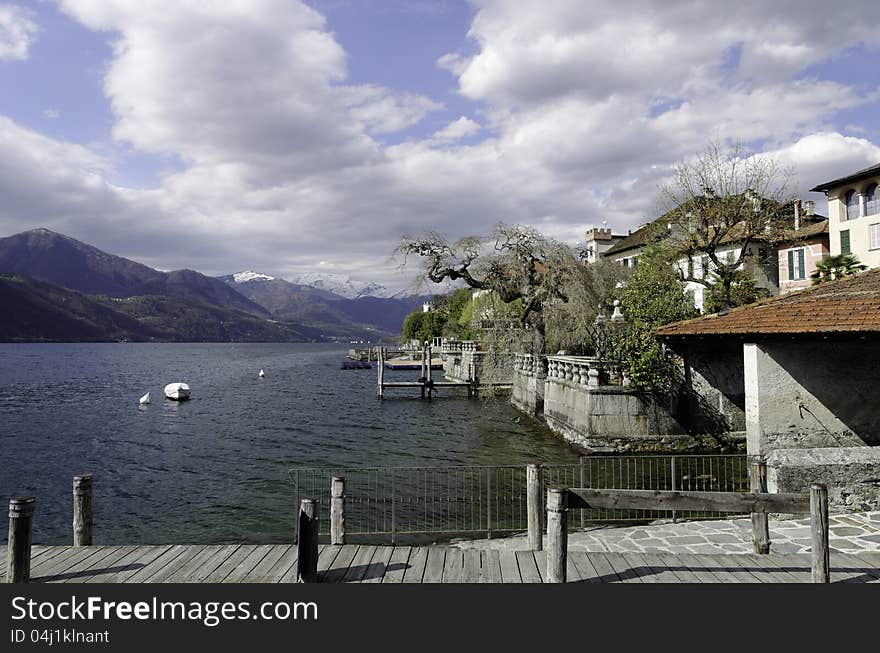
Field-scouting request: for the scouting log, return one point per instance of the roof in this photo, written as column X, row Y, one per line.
column 643, row 235
column 843, row 181
column 809, row 231
column 637, row 238
column 850, row 305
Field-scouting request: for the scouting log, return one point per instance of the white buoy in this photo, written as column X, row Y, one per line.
column 262, row 374
column 144, row 400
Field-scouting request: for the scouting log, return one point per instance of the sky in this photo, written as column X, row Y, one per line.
column 290, row 136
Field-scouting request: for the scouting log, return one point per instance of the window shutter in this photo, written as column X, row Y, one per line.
column 791, row 265
column 802, row 273
column 844, row 242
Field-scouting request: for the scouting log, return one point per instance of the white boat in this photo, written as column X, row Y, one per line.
column 145, row 399
column 262, row 374
column 177, row 391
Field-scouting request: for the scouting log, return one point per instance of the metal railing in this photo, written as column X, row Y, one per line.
column 459, row 501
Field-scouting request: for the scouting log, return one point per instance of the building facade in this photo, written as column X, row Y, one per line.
column 597, row 242
column 854, row 215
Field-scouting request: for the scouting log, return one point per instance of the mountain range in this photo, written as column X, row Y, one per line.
column 53, row 287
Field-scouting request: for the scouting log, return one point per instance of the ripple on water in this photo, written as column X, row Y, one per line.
column 187, row 471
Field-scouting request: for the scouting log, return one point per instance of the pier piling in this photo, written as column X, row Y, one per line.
column 21, row 522
column 819, row 530
column 82, row 510
column 534, row 507
column 557, row 534
column 307, row 552
column 337, row 510
column 760, row 524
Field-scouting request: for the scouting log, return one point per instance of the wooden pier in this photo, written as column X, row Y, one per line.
column 425, row 383
column 352, row 563
column 342, row 561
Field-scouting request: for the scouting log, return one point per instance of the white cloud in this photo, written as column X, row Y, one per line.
column 51, row 114
column 457, row 129
column 17, row 31
column 582, row 115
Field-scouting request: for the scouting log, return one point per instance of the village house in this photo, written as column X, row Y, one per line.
column 854, row 215
column 799, row 372
column 803, row 249
column 761, row 258
column 597, row 242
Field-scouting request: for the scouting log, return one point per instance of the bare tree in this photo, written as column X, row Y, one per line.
column 517, row 263
column 724, row 197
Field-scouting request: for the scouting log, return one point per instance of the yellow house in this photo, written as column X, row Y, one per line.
column 854, row 215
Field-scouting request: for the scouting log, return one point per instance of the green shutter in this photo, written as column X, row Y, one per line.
column 844, row 242
column 802, row 273
column 791, row 265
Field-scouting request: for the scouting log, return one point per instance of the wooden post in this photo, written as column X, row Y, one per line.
column 557, row 534
column 534, row 509
column 21, row 522
column 380, row 365
column 760, row 523
column 430, row 359
column 819, row 527
column 424, row 376
column 337, row 510
column 82, row 510
column 307, row 551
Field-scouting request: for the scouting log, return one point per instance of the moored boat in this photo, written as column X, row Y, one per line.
column 177, row 391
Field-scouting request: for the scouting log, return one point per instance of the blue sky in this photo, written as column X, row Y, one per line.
column 293, row 136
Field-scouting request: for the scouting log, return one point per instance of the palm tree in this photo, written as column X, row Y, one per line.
column 835, row 267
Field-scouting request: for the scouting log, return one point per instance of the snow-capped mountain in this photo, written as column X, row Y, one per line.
column 250, row 275
column 343, row 285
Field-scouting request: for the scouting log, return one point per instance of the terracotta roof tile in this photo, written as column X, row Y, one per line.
column 850, row 305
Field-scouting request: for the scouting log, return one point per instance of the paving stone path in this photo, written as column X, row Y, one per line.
column 848, row 533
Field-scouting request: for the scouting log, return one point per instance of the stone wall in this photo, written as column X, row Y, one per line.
column 807, row 394
column 567, row 396
column 527, row 392
column 852, row 474
column 712, row 389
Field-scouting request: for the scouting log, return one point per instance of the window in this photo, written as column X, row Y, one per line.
column 796, row 270
column 690, row 268
column 872, row 200
column 875, row 236
column 852, row 205
column 844, row 242
column 635, row 261
column 705, row 264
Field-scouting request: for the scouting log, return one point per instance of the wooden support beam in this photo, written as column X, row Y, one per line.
column 82, row 510
column 534, row 507
column 337, row 510
column 819, row 527
column 21, row 523
column 760, row 522
column 557, row 534
column 735, row 502
column 307, row 554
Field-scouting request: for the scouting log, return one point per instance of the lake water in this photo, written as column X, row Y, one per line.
column 215, row 469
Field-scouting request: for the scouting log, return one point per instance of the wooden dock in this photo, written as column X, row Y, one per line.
column 352, row 563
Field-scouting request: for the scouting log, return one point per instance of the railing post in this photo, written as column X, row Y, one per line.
column 393, row 504
column 760, row 523
column 82, row 510
column 307, row 546
column 488, row 503
column 21, row 522
column 674, row 487
column 337, row 510
column 582, row 481
column 534, row 509
column 819, row 528
column 557, row 534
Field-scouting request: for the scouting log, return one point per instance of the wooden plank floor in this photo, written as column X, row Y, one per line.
column 353, row 563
